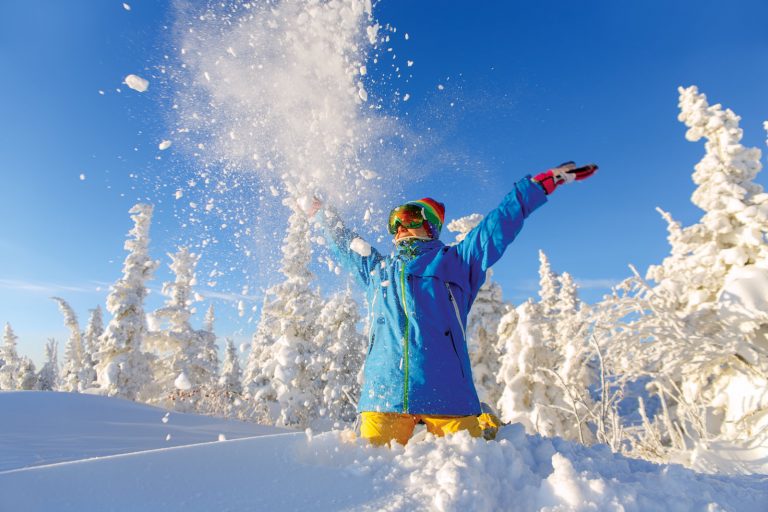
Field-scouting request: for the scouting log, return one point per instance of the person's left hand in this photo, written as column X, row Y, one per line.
column 563, row 173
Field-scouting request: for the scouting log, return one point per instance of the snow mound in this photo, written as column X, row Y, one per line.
column 330, row 471
column 744, row 296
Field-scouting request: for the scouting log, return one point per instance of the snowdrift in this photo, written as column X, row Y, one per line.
column 329, row 471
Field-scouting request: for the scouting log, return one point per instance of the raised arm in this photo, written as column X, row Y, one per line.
column 348, row 248
column 485, row 244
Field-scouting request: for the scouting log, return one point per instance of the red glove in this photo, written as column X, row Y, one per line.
column 563, row 173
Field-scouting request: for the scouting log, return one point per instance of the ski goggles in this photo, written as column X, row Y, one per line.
column 409, row 216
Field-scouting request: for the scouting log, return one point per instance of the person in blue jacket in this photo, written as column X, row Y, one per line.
column 418, row 369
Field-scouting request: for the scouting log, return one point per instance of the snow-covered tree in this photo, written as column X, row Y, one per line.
column 77, row 373
column 548, row 284
column 27, row 378
column 10, row 362
column 231, row 374
column 123, row 368
column 524, row 390
column 210, row 319
column 282, row 376
column 717, row 272
column 93, row 332
column 483, row 324
column 732, row 232
column 545, row 372
column 186, row 358
column 48, row 378
column 698, row 336
column 342, row 351
column 209, row 352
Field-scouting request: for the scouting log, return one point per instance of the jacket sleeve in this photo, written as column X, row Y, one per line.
column 360, row 258
column 484, row 245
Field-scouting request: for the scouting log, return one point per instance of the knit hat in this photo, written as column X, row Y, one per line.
column 434, row 213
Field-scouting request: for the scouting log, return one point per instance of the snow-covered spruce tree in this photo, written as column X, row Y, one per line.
column 210, row 319
column 91, row 339
column 77, row 373
column 185, row 362
column 231, row 375
column 698, row 335
column 27, row 377
column 48, row 378
column 523, row 387
column 341, row 352
column 10, row 361
column 282, row 376
column 717, row 274
column 123, row 368
column 223, row 398
column 483, row 324
column 575, row 370
column 209, row 352
column 544, row 363
column 93, row 331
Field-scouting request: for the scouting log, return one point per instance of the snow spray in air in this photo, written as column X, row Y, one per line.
column 278, row 89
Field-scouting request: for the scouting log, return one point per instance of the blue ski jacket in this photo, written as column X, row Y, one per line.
column 419, row 298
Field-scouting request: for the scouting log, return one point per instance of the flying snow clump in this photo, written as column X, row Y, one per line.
column 136, row 83
column 182, row 382
column 164, row 145
column 361, row 247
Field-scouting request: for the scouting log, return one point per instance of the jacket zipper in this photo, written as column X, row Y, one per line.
column 371, row 335
column 405, row 336
column 456, row 310
column 455, row 351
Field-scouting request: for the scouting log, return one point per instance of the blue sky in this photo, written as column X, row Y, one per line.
column 531, row 86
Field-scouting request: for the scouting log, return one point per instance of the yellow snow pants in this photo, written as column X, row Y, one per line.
column 382, row 427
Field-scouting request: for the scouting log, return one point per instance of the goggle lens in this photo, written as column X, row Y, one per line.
column 407, row 215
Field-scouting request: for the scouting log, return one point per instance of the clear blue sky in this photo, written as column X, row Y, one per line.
column 532, row 86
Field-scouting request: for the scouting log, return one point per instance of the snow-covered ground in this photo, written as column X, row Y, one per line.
column 283, row 470
column 45, row 428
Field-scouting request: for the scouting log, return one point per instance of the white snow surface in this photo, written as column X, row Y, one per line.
column 44, row 427
column 745, row 293
column 328, row 471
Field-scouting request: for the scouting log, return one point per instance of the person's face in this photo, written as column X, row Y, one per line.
column 404, row 232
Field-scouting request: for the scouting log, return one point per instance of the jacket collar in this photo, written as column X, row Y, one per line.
column 414, row 247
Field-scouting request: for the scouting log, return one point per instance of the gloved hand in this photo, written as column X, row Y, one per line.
column 563, row 173
column 309, row 205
